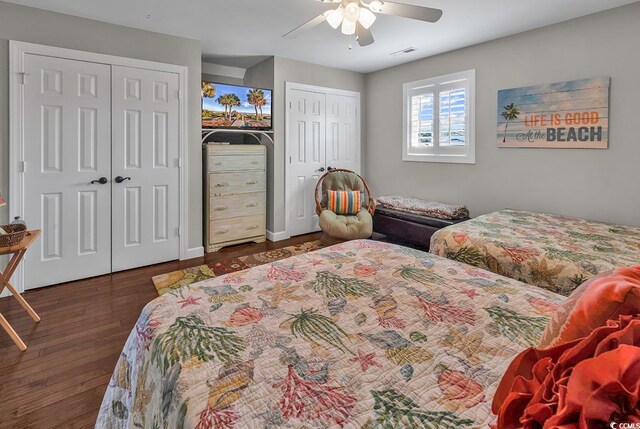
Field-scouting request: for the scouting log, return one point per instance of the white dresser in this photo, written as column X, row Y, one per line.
column 235, row 195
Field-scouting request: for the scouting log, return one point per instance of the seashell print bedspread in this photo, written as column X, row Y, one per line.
column 359, row 335
column 553, row 252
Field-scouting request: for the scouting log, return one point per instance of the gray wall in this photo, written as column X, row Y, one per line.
column 228, row 80
column 273, row 73
column 594, row 184
column 261, row 75
column 38, row 26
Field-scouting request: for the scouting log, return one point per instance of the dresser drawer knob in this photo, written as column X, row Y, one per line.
column 253, row 182
column 221, row 185
column 252, row 227
column 221, row 209
column 223, row 231
column 252, row 205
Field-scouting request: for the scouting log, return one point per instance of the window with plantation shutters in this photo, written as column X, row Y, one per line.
column 438, row 119
column 422, row 121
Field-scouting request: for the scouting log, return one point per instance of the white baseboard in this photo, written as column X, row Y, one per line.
column 277, row 236
column 194, row 252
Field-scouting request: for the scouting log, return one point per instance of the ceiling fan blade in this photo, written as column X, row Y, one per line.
column 365, row 38
column 420, row 13
column 306, row 26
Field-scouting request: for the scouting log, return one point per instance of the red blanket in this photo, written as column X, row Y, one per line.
column 589, row 382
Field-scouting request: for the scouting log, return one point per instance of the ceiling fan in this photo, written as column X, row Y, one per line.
column 357, row 16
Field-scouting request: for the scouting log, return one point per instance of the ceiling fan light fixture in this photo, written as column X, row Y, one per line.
column 376, row 6
column 348, row 27
column 352, row 12
column 335, row 17
column 367, row 18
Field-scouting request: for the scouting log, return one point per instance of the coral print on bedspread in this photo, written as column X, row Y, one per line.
column 359, row 335
column 554, row 252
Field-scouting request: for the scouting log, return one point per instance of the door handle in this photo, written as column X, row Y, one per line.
column 321, row 169
column 121, row 179
column 102, row 181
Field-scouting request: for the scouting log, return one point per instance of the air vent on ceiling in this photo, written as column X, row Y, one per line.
column 403, row 51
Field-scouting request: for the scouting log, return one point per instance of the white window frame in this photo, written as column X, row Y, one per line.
column 465, row 155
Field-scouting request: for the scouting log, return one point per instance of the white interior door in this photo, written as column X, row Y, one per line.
column 67, row 144
column 322, row 133
column 343, row 149
column 145, row 110
column 306, row 141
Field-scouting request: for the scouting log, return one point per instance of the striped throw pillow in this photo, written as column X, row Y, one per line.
column 344, row 202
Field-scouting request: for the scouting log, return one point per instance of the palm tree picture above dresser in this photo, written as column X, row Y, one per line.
column 235, row 195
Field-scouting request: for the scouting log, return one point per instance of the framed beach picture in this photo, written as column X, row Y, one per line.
column 572, row 114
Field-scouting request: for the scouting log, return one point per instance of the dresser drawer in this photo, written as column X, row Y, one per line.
column 218, row 163
column 226, row 206
column 221, row 230
column 236, row 183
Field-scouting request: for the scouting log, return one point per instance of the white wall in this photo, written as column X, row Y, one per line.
column 48, row 28
column 594, row 184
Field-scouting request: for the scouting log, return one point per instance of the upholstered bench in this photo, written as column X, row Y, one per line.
column 408, row 228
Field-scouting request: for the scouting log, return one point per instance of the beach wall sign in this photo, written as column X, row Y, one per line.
column 572, row 114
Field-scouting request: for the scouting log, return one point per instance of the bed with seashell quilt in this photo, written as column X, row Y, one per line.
column 363, row 334
column 553, row 252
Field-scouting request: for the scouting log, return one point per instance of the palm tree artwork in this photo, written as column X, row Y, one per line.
column 255, row 97
column 510, row 113
column 208, row 90
column 229, row 101
column 261, row 102
column 234, row 101
column 225, row 101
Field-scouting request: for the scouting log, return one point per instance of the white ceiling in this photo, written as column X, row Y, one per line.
column 242, row 32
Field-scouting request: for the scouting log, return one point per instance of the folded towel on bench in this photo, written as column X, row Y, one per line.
column 423, row 207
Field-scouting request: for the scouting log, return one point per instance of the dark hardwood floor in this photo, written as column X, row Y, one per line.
column 59, row 381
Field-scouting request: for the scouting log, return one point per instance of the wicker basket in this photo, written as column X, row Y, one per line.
column 15, row 234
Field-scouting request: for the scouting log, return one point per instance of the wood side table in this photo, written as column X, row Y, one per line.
column 18, row 252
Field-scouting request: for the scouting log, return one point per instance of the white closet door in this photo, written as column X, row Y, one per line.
column 342, row 128
column 145, row 110
column 67, row 144
column 306, row 141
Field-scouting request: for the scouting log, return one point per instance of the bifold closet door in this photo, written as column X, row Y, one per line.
column 306, row 140
column 322, row 133
column 67, row 145
column 342, row 129
column 145, row 167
